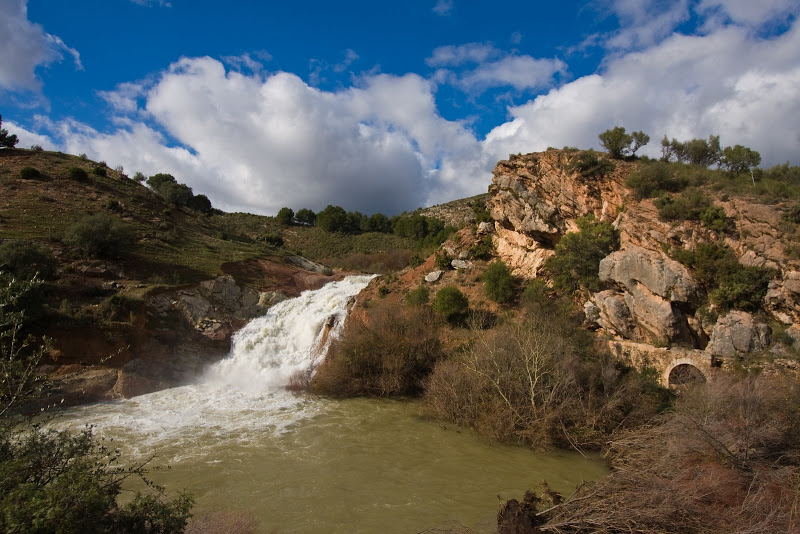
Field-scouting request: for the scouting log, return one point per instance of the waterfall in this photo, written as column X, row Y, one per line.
column 241, row 396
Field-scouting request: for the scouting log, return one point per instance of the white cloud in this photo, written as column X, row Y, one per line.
column 246, row 61
column 726, row 83
column 124, row 99
column 454, row 56
column 28, row 138
column 26, row 46
column 749, row 12
column 644, row 23
column 443, row 7
column 258, row 144
column 494, row 68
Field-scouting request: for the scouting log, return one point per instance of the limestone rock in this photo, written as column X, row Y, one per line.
column 738, row 333
column 461, row 265
column 463, row 255
column 485, row 228
column 433, row 276
column 662, row 276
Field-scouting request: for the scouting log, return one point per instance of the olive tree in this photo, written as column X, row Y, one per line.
column 621, row 144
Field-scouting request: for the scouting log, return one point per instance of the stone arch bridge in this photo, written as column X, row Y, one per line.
column 671, row 364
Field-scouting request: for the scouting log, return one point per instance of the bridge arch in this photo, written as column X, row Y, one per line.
column 690, row 366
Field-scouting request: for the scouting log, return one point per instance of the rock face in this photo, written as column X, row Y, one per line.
column 738, row 333
column 648, row 297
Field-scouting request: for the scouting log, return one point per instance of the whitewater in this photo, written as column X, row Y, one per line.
column 243, row 395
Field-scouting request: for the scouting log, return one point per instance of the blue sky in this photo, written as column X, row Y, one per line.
column 387, row 106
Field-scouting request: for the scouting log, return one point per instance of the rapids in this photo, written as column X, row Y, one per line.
column 238, row 441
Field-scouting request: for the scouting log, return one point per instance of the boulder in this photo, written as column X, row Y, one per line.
column 461, row 265
column 662, row 276
column 433, row 276
column 738, row 333
column 485, row 228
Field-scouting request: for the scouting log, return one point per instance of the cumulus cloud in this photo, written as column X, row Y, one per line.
column 257, row 144
column 726, row 83
column 25, row 46
column 645, row 23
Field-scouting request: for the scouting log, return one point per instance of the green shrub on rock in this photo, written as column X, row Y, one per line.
column 498, row 282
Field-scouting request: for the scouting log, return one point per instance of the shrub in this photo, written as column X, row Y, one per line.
column 418, row 296
column 7, row 140
column 792, row 214
column 99, row 236
column 589, row 165
column 416, row 260
column 25, row 259
column 389, row 354
column 526, row 382
column 655, row 178
column 443, row 260
column 100, row 171
column 730, row 284
column 576, row 261
column 383, row 291
column 139, row 177
column 480, row 212
column 273, row 240
column 714, row 218
column 77, row 174
column 739, row 159
column 450, row 303
column 498, row 282
column 483, row 249
column 29, row 173
column 37, row 148
column 200, row 203
column 687, row 206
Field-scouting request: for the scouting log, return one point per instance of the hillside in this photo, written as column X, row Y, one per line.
column 172, row 285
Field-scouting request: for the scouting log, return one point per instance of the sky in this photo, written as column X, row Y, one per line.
column 381, row 106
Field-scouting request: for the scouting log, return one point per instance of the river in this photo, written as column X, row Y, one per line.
column 239, row 442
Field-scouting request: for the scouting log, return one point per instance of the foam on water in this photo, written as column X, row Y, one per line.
column 242, row 396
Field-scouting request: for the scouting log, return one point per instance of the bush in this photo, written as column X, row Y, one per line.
column 687, row 206
column 37, row 148
column 655, row 178
column 29, row 173
column 443, row 260
column 526, row 382
column 25, row 259
column 100, row 171
column 498, row 282
column 483, row 249
column 200, row 203
column 589, row 165
column 450, row 303
column 306, row 216
column 389, row 354
column 730, row 284
column 99, row 236
column 77, row 174
column 620, row 144
column 273, row 240
column 576, row 262
column 714, row 218
column 418, row 296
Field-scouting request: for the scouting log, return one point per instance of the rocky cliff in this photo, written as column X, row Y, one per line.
column 648, row 297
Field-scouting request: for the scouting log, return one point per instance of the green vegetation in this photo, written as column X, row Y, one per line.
column 729, row 283
column 451, row 304
column 537, row 381
column 498, row 282
column 100, row 171
column 590, row 165
column 99, row 236
column 77, row 174
column 654, row 178
column 443, row 260
column 390, row 355
column 7, row 140
column 480, row 212
column 483, row 249
column 576, row 261
column 285, row 216
column 620, row 144
column 418, row 296
column 739, row 159
column 54, row 481
column 29, row 173
column 25, row 260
